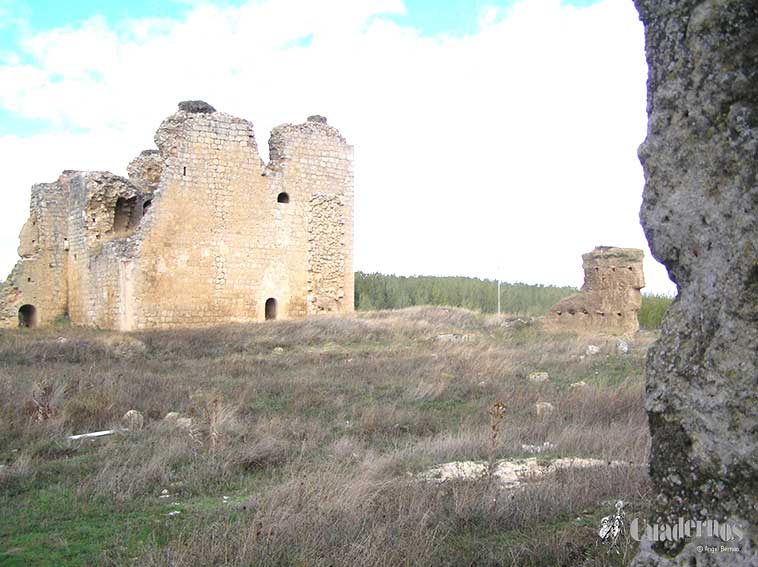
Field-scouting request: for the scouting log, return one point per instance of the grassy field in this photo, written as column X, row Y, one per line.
column 306, row 441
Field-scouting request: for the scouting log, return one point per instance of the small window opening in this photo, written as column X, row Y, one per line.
column 282, row 198
column 29, row 279
column 270, row 309
column 184, row 170
column 27, row 316
column 146, row 206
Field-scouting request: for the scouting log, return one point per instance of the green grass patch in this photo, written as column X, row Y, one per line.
column 51, row 526
column 652, row 311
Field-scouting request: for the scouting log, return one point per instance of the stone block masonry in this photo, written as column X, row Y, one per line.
column 610, row 297
column 202, row 232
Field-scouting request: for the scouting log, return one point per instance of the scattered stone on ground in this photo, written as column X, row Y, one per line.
column 622, row 347
column 453, row 338
column 592, row 349
column 517, row 323
column 510, row 474
column 537, row 449
column 581, row 385
column 544, row 408
column 133, row 420
column 278, row 350
column 538, row 377
column 175, row 419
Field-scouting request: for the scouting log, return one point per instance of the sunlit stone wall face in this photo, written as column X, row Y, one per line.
column 202, row 232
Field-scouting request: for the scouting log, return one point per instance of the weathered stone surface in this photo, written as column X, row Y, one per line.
column 317, row 118
column 145, row 170
column 700, row 215
column 510, row 474
column 610, row 297
column 202, row 232
column 196, row 107
column 544, row 408
column 538, row 377
column 171, row 417
column 133, row 420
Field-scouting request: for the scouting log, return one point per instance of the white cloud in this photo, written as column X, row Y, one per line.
column 514, row 146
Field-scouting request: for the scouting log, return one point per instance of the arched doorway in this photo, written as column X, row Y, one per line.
column 270, row 309
column 27, row 316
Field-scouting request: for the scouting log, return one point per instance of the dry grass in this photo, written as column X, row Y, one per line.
column 316, row 428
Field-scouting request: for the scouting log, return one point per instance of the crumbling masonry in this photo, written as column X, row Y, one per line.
column 201, row 233
column 610, row 297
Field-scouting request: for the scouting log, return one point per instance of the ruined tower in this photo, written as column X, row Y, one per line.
column 610, row 297
column 202, row 232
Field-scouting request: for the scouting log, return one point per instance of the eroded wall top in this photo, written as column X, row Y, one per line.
column 610, row 297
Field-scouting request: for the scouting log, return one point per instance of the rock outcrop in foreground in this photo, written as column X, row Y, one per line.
column 610, row 297
column 700, row 214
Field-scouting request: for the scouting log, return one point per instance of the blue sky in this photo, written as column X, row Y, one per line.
column 496, row 123
column 20, row 18
column 429, row 16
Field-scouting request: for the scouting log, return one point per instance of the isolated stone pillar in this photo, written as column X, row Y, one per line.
column 700, row 215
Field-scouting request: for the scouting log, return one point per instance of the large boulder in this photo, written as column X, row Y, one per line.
column 700, row 215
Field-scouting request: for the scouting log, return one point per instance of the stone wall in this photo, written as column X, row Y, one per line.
column 39, row 277
column 202, row 232
column 700, row 215
column 610, row 297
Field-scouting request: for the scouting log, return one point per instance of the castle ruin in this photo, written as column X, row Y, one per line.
column 202, row 232
column 610, row 297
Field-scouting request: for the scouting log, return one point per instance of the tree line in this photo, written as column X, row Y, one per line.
column 380, row 291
